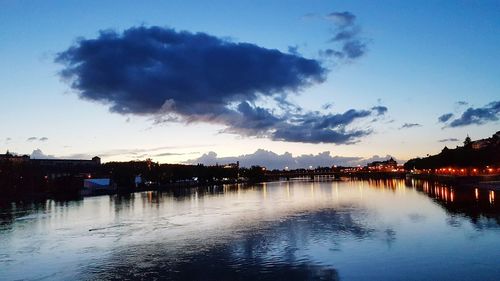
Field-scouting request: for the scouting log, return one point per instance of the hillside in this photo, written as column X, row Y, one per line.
column 479, row 153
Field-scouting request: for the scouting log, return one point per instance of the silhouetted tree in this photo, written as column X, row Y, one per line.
column 467, row 141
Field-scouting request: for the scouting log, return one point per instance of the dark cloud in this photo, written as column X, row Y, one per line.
column 410, row 125
column 342, row 18
column 309, row 135
column 314, row 127
column 330, row 53
column 478, row 116
column 354, row 49
column 42, row 139
column 144, row 70
column 254, row 120
column 346, row 37
column 449, row 140
column 445, row 117
column 195, row 77
column 273, row 160
column 294, row 50
column 309, row 127
column 173, row 154
column 462, row 103
column 309, row 16
column 381, row 110
column 327, row 106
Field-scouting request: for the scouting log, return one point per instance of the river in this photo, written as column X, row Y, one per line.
column 297, row 230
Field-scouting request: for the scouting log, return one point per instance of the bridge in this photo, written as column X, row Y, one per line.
column 303, row 174
column 330, row 174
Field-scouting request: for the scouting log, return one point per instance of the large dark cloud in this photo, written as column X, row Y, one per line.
column 272, row 160
column 143, row 69
column 477, row 116
column 196, row 77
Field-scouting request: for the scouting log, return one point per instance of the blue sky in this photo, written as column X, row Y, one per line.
column 421, row 59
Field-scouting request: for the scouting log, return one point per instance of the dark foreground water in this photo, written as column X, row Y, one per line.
column 353, row 230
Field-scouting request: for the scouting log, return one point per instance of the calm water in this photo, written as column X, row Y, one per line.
column 351, row 230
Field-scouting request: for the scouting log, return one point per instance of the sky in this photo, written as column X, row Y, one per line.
column 306, row 82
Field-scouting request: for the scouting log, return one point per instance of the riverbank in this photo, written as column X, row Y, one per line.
column 491, row 182
column 76, row 195
column 492, row 185
column 482, row 182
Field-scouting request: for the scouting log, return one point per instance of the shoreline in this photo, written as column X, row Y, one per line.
column 492, row 183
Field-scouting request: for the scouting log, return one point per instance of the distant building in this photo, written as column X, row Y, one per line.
column 56, row 168
column 484, row 143
column 14, row 158
column 232, row 165
column 96, row 161
column 480, row 144
column 383, row 165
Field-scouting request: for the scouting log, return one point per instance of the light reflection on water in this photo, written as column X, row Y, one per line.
column 351, row 230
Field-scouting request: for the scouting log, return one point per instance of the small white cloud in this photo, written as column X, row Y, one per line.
column 38, row 154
